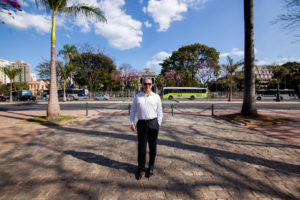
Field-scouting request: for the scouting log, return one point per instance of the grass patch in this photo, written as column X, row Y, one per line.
column 43, row 119
column 256, row 119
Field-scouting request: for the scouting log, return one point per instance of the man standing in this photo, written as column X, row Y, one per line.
column 148, row 107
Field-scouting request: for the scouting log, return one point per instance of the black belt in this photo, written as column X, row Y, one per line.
column 146, row 120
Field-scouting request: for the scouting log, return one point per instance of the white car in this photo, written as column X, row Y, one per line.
column 101, row 97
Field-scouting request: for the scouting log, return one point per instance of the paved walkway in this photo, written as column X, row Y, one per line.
column 199, row 157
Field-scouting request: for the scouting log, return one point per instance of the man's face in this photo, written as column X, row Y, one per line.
column 147, row 85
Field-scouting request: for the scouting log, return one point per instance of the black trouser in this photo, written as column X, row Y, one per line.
column 147, row 131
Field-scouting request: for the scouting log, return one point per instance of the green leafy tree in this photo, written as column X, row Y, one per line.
column 64, row 71
column 279, row 72
column 114, row 82
column 21, row 86
column 230, row 70
column 68, row 52
column 93, row 70
column 249, row 101
column 191, row 60
column 292, row 79
column 172, row 78
column 60, row 6
column 11, row 73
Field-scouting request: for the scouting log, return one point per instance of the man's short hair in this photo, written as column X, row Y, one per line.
column 146, row 79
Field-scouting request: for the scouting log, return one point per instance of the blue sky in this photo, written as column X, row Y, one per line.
column 143, row 32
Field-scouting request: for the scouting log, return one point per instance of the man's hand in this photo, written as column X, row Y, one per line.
column 133, row 128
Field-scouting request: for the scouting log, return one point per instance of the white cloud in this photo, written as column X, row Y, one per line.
column 24, row 20
column 279, row 61
column 147, row 24
column 164, row 12
column 83, row 23
column 121, row 30
column 156, row 60
column 235, row 52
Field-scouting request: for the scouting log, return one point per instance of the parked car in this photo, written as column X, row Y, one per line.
column 23, row 95
column 68, row 97
column 2, row 98
column 101, row 97
column 26, row 98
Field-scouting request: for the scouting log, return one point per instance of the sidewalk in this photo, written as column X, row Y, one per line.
column 199, row 157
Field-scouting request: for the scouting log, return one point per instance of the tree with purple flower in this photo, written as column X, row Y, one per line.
column 9, row 6
column 128, row 79
column 172, row 78
column 196, row 62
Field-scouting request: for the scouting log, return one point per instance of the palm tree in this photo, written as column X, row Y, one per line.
column 11, row 73
column 60, row 6
column 68, row 53
column 249, row 101
column 279, row 72
column 64, row 73
column 230, row 69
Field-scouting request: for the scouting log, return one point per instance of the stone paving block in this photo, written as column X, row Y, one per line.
column 157, row 195
column 198, row 194
column 110, row 197
column 124, row 196
column 215, row 188
column 139, row 195
column 210, row 195
column 223, row 194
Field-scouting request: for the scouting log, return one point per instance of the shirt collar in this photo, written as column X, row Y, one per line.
column 149, row 94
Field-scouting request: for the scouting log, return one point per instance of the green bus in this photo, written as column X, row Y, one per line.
column 184, row 92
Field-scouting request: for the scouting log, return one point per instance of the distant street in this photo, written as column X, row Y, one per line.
column 124, row 105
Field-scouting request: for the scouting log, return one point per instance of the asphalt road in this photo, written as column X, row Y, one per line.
column 124, row 105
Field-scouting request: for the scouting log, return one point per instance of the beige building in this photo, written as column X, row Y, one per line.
column 264, row 74
column 38, row 86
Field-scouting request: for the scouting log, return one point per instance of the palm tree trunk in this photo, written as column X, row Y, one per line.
column 53, row 106
column 64, row 99
column 278, row 91
column 249, row 102
column 230, row 92
column 10, row 92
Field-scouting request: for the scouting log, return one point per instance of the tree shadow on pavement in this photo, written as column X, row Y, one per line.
column 25, row 169
column 102, row 160
column 245, row 142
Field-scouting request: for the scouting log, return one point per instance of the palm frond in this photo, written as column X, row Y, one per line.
column 85, row 10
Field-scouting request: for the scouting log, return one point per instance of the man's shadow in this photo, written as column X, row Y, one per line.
column 101, row 160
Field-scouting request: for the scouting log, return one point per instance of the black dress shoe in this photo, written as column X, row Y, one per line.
column 138, row 174
column 149, row 172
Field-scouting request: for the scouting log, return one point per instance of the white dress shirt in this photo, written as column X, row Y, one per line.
column 146, row 107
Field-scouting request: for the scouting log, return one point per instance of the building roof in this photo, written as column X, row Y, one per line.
column 147, row 71
column 4, row 63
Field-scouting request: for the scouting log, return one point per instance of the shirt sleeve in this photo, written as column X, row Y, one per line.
column 133, row 110
column 159, row 111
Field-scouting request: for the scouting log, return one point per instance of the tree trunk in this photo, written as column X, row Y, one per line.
column 10, row 92
column 230, row 92
column 249, row 101
column 278, row 91
column 64, row 98
column 53, row 106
